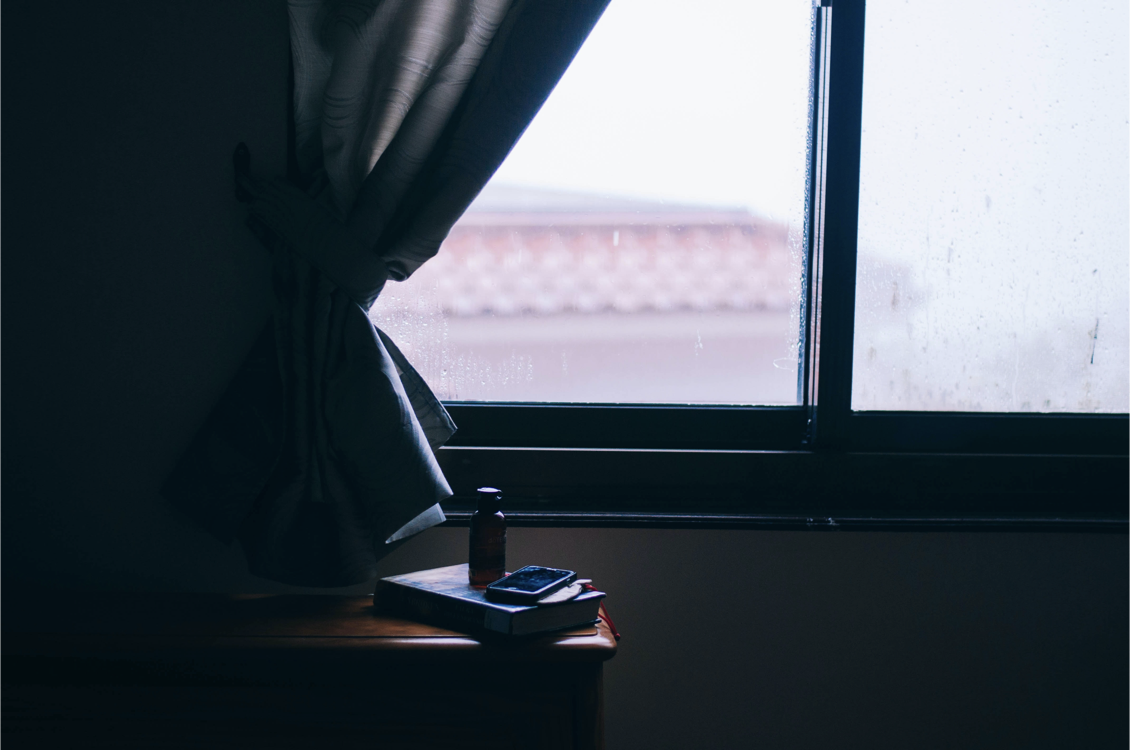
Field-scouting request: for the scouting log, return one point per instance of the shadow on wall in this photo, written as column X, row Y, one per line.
column 131, row 287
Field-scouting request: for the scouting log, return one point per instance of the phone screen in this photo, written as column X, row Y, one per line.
column 532, row 579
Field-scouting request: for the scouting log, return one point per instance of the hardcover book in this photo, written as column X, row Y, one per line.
column 442, row 596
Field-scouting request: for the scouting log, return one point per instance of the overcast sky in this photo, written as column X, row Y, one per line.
column 702, row 102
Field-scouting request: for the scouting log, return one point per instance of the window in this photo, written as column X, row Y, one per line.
column 645, row 240
column 837, row 455
column 992, row 272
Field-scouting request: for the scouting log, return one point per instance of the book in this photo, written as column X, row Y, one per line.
column 442, row 596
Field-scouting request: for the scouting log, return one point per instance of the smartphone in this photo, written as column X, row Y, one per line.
column 529, row 584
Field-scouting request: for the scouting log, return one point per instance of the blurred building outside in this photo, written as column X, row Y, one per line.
column 552, row 296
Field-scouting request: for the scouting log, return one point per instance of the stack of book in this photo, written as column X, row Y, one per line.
column 443, row 597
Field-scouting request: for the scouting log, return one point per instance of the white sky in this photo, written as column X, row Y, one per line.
column 703, row 102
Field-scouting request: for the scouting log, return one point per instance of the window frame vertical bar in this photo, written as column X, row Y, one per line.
column 810, row 283
column 835, row 315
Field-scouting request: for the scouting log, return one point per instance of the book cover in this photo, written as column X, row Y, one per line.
column 442, row 596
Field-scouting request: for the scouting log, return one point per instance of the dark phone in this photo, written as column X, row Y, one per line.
column 529, row 584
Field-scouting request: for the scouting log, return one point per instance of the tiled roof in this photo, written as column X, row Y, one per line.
column 546, row 252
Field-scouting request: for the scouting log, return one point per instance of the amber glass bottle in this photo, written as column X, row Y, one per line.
column 487, row 561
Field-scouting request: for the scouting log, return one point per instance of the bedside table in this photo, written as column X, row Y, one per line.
column 200, row 670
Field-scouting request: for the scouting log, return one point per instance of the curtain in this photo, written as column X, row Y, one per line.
column 320, row 455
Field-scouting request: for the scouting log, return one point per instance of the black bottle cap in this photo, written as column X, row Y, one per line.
column 490, row 499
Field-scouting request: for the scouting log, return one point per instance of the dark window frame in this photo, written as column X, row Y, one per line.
column 817, row 465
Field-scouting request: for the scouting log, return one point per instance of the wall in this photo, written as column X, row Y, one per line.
column 825, row 640
column 131, row 290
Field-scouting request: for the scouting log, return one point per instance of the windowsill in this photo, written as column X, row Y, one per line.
column 793, row 489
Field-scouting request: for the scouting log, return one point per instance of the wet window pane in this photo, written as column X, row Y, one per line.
column 994, row 204
column 643, row 242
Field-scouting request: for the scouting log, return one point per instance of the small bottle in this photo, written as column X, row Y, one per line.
column 487, row 561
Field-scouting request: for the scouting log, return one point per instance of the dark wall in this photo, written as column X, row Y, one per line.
column 737, row 639
column 131, row 289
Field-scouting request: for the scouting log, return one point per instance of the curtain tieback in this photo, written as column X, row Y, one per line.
column 325, row 243
column 313, row 232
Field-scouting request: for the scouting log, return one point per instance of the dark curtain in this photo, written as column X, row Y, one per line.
column 320, row 456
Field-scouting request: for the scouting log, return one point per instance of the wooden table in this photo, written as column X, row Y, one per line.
column 220, row 671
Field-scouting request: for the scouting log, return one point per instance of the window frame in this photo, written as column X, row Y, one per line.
column 817, row 465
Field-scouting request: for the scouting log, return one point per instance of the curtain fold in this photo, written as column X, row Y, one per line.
column 320, row 456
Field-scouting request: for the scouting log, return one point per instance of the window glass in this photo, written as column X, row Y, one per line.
column 994, row 213
column 644, row 240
